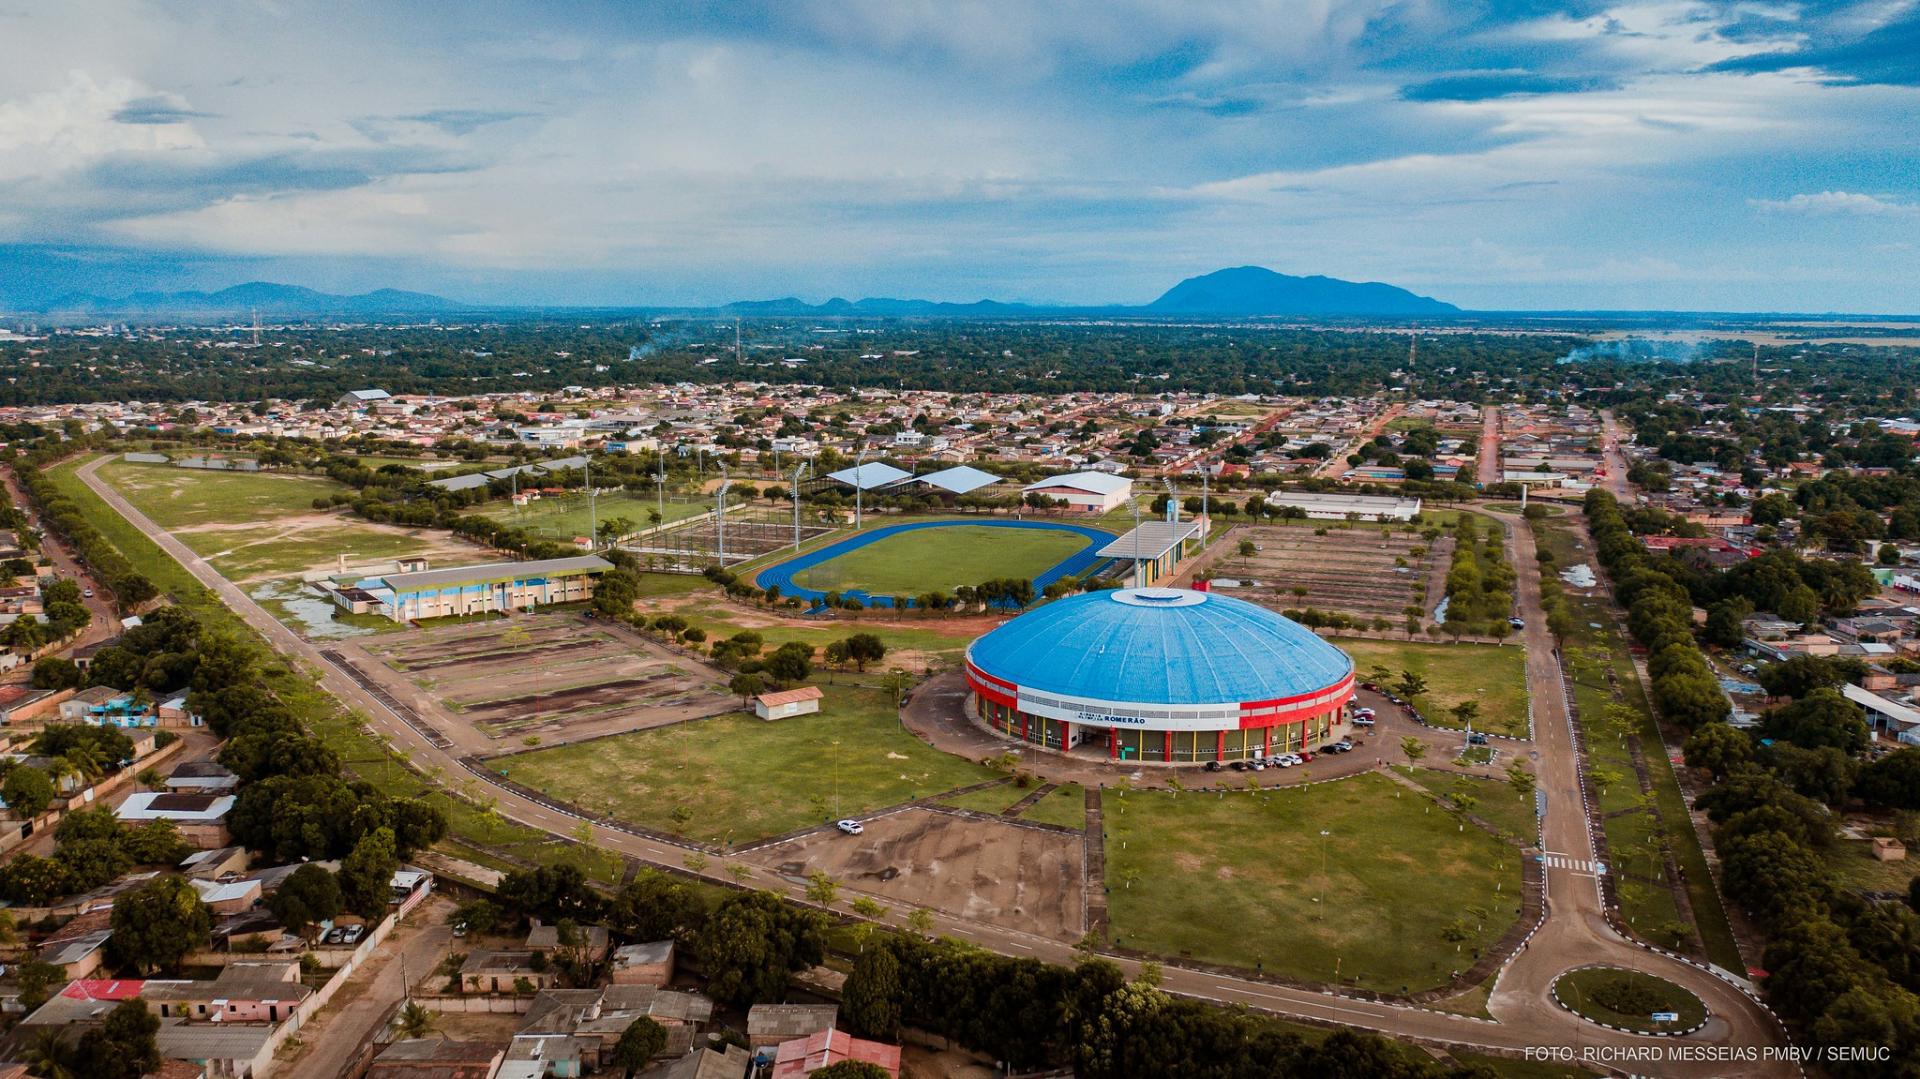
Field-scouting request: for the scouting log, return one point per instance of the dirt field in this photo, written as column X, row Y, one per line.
column 1355, row 571
column 552, row 676
column 1024, row 878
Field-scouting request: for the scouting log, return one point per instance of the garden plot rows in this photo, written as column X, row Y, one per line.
column 549, row 676
column 1357, row 571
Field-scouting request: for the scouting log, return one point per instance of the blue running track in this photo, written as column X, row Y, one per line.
column 782, row 574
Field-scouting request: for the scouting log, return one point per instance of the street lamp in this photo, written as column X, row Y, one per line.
column 1324, row 834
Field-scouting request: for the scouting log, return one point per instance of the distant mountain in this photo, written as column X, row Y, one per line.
column 1255, row 290
column 267, row 298
column 878, row 306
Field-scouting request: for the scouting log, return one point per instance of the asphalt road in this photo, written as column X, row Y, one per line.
column 1575, row 932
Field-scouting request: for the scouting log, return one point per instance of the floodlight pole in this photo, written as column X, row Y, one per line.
column 797, row 473
column 720, row 513
column 859, row 485
column 593, row 523
column 660, row 482
column 1139, row 571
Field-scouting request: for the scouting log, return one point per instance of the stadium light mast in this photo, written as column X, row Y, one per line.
column 1139, row 571
column 859, row 485
column 797, row 473
column 660, row 482
column 720, row 513
column 593, row 524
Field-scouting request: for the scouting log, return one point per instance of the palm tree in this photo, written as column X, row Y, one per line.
column 49, row 1056
column 414, row 1021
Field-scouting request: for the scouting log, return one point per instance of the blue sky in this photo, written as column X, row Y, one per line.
column 1506, row 154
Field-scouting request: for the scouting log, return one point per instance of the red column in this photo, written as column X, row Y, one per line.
column 1266, row 741
column 1166, row 745
column 1113, row 743
column 1219, row 745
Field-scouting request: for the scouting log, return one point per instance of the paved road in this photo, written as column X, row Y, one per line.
column 1336, row 462
column 1616, row 458
column 1575, row 932
column 1488, row 459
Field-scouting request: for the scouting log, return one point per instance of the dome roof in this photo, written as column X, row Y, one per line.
column 1160, row 646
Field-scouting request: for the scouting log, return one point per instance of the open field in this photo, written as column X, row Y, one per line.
column 564, row 517
column 548, row 675
column 742, row 779
column 1030, row 879
column 1852, row 863
column 1378, row 898
column 1495, row 801
column 178, row 498
column 1365, row 571
column 1494, row 675
column 1603, row 675
column 258, row 526
column 1065, row 805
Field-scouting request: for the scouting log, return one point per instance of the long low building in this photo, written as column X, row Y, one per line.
column 1336, row 507
column 488, row 588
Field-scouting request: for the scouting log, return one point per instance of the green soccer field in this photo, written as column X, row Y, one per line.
column 928, row 559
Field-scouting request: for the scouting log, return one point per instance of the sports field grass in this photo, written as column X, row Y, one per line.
column 741, row 778
column 564, row 517
column 1236, row 878
column 909, row 563
column 184, row 497
column 263, row 552
column 1492, row 674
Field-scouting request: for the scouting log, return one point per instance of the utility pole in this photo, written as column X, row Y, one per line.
column 720, row 513
column 593, row 523
column 1139, row 571
column 660, row 482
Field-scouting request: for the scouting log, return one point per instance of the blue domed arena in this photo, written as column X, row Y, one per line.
column 1160, row 674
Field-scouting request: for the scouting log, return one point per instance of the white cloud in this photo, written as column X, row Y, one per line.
column 1837, row 204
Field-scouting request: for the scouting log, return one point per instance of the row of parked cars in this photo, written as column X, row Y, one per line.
column 348, row 935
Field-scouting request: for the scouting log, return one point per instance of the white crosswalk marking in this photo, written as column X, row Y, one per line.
column 1561, row 861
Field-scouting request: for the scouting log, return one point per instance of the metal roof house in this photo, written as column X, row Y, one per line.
column 1091, row 492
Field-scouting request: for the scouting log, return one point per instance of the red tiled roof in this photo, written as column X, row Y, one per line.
column 790, row 696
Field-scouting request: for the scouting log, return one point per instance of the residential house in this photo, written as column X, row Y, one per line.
column 769, row 1025
column 438, row 1058
column 644, row 964
column 201, row 818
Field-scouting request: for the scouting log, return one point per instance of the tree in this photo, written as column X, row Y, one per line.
column 791, row 662
column 413, row 1021
column 643, row 1040
column 56, row 672
column 1773, row 877
column 1413, row 747
column 747, row 685
column 1466, row 712
column 1892, row 782
column 308, row 896
column 37, row 979
column 870, row 1000
column 1409, row 686
column 156, row 924
column 27, row 791
column 654, row 906
column 821, row 888
column 865, row 648
column 1718, row 748
column 123, row 1046
column 754, row 943
column 366, row 874
column 849, row 1069
column 1821, row 718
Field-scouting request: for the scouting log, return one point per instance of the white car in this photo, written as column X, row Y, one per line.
column 850, row 827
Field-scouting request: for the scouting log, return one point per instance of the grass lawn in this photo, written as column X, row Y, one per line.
column 991, row 800
column 1632, row 821
column 1492, row 674
column 1494, row 800
column 183, row 497
column 908, row 563
column 1065, row 805
column 1401, row 877
column 742, row 778
column 1853, row 865
column 565, row 516
column 266, row 552
column 720, row 619
column 1626, row 998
